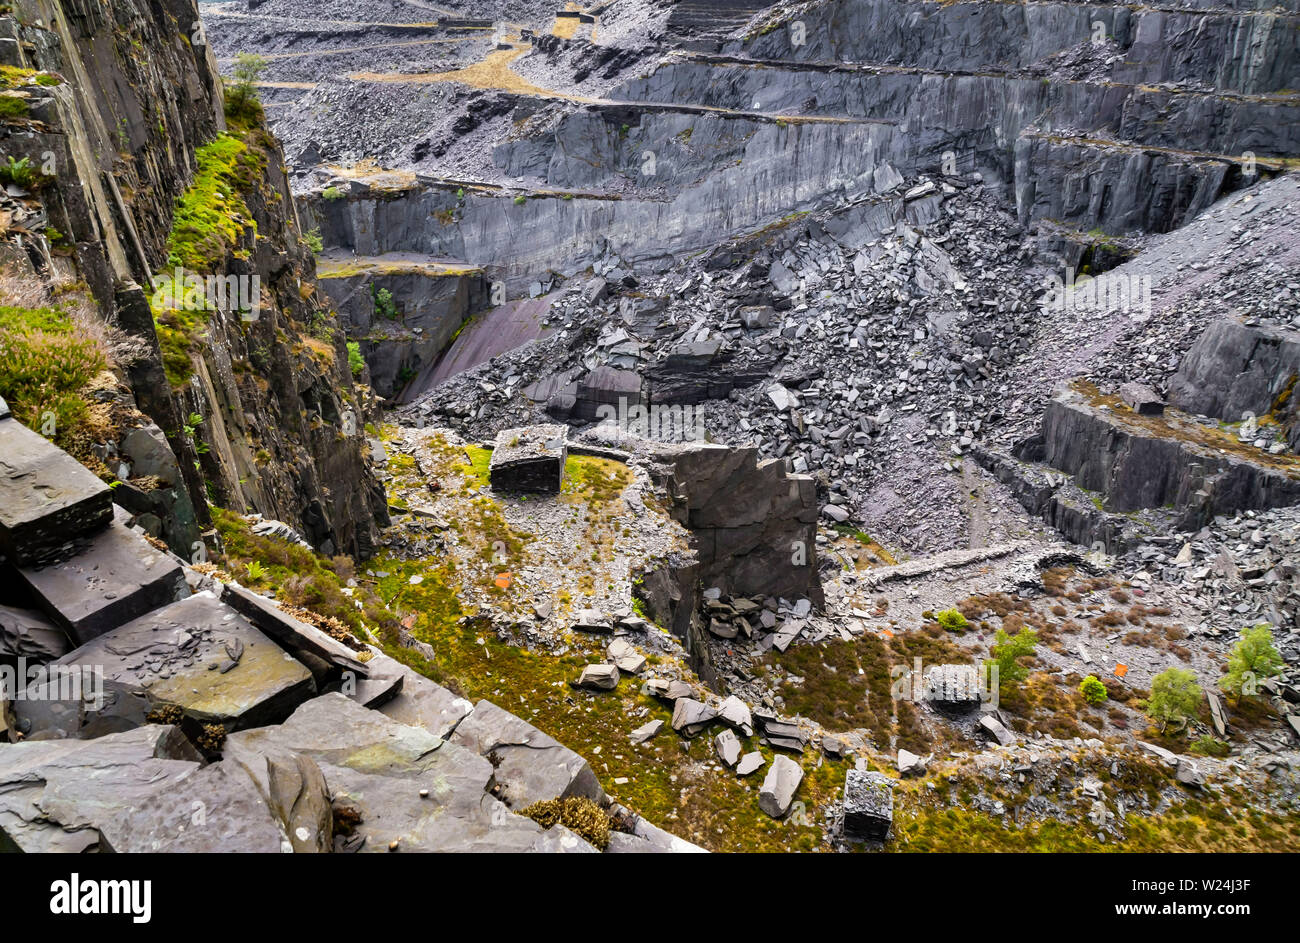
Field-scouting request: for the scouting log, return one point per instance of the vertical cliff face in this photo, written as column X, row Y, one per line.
column 240, row 388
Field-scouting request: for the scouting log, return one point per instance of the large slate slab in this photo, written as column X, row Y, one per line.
column 530, row 766
column 293, row 634
column 204, row 657
column 118, row 577
column 47, row 498
column 379, row 768
column 420, row 702
column 60, row 795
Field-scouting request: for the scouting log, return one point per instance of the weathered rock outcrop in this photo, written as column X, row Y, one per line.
column 1132, row 462
column 1237, row 371
column 119, row 139
column 753, row 524
column 402, row 312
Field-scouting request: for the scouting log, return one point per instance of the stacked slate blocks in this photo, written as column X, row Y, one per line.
column 529, row 459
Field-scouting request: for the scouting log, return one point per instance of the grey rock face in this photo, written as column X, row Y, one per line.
column 530, row 766
column 1149, row 462
column 749, row 763
column 748, row 518
column 777, row 792
column 868, row 805
column 1235, row 369
column 430, row 302
column 47, row 498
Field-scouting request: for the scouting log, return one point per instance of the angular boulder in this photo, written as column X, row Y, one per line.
column 777, row 792
column 47, row 497
column 203, row 657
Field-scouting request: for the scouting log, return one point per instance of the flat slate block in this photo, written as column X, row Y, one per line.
column 529, row 459
column 204, row 657
column 119, row 577
column 47, row 497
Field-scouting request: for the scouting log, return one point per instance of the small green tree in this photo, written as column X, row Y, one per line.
column 241, row 94
column 1008, row 650
column 1093, row 691
column 356, row 362
column 1174, row 696
column 1253, row 659
column 385, row 306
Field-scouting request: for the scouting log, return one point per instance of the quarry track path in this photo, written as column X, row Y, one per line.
column 342, row 50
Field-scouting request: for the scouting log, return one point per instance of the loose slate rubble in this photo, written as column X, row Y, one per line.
column 529, row 459
column 530, row 766
column 118, row 577
column 47, row 498
column 777, row 792
column 868, row 805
